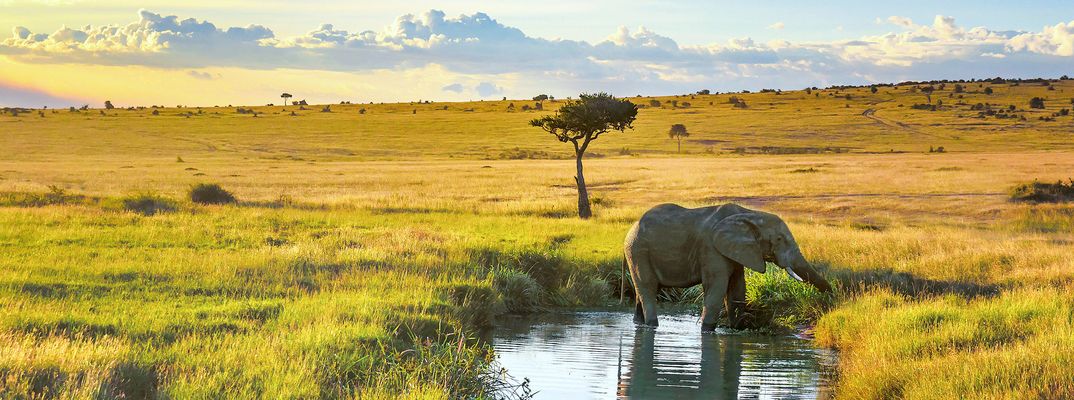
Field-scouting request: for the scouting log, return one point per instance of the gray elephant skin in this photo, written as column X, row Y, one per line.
column 673, row 246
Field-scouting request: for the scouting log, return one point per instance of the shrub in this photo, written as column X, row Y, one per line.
column 147, row 204
column 1038, row 192
column 210, row 193
column 520, row 293
column 55, row 196
column 777, row 302
column 654, row 103
column 584, row 291
column 1036, row 102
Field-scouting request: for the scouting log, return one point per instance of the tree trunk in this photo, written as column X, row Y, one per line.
column 680, row 146
column 583, row 196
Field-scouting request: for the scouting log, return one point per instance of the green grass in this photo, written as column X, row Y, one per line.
column 365, row 250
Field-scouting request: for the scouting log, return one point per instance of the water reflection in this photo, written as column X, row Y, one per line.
column 601, row 355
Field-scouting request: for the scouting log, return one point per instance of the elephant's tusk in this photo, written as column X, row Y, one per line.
column 794, row 275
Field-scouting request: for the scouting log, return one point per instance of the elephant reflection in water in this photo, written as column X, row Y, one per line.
column 663, row 373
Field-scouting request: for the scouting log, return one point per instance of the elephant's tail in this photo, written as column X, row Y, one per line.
column 622, row 283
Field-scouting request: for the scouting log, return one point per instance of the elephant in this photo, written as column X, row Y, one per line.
column 673, row 246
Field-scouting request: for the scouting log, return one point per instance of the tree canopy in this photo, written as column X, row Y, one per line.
column 583, row 120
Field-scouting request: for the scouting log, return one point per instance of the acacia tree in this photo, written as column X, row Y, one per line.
column 582, row 121
column 285, row 97
column 927, row 90
column 678, row 132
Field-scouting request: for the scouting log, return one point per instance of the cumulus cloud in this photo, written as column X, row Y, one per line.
column 486, row 89
column 1053, row 40
column 454, row 88
column 776, row 26
column 201, row 75
column 638, row 60
column 11, row 96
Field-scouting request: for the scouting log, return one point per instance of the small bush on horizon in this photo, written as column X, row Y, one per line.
column 147, row 204
column 210, row 193
column 1039, row 192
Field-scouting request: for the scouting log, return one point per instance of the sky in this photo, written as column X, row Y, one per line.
column 71, row 52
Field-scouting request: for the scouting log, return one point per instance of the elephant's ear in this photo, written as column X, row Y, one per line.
column 737, row 238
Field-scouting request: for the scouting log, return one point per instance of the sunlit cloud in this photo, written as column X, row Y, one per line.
column 474, row 55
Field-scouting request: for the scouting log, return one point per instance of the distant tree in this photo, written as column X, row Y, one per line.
column 927, row 90
column 704, row 92
column 654, row 103
column 872, row 89
column 1036, row 102
column 108, row 105
column 988, row 90
column 285, row 96
column 677, row 133
column 808, row 90
column 582, row 121
column 540, row 97
column 958, row 88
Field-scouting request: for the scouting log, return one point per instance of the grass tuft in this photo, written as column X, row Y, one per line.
column 519, row 292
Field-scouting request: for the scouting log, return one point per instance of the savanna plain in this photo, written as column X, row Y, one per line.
column 370, row 244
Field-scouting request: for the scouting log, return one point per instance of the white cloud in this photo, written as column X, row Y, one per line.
column 486, row 89
column 627, row 61
column 201, row 75
column 776, row 26
column 901, row 21
column 1054, row 40
column 454, row 87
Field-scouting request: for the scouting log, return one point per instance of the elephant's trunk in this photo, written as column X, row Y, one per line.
column 805, row 272
column 798, row 268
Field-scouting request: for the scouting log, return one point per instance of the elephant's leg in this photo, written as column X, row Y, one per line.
column 646, row 286
column 715, row 291
column 647, row 297
column 736, row 298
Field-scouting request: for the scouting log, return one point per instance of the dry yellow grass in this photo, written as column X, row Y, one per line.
column 351, row 226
